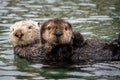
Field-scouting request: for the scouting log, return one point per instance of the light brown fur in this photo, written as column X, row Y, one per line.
column 49, row 29
column 57, row 34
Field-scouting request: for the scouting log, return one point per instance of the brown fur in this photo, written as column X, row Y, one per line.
column 54, row 46
column 57, row 44
column 94, row 50
column 97, row 51
column 78, row 39
column 58, row 34
column 76, row 49
column 51, row 27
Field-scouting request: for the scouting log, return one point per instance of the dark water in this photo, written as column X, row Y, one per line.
column 95, row 19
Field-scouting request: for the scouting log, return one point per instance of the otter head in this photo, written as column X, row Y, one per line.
column 56, row 32
column 24, row 32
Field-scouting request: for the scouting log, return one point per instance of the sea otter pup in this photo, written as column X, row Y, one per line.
column 25, row 37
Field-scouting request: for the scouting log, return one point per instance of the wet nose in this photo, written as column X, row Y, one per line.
column 18, row 34
column 58, row 33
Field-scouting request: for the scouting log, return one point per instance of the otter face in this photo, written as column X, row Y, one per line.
column 56, row 32
column 24, row 32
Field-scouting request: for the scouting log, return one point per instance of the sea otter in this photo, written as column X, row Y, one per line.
column 70, row 47
column 55, row 43
column 58, row 34
column 25, row 37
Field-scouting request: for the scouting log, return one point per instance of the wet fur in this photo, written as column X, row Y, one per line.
column 35, row 53
column 29, row 45
column 41, row 47
column 50, row 27
column 80, row 50
column 30, row 35
column 69, row 48
column 97, row 50
column 61, row 47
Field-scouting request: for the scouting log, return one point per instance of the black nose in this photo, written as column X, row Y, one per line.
column 18, row 34
column 58, row 33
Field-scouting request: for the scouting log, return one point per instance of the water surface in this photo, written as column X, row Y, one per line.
column 95, row 19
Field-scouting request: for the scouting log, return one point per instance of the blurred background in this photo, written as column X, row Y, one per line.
column 95, row 19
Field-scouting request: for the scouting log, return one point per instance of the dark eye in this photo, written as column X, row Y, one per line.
column 29, row 27
column 38, row 23
column 66, row 28
column 49, row 27
column 12, row 29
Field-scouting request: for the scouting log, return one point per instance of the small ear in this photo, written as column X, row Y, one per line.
column 69, row 25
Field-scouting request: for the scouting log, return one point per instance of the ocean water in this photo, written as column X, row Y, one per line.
column 95, row 19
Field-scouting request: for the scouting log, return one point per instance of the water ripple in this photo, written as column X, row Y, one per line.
column 95, row 19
